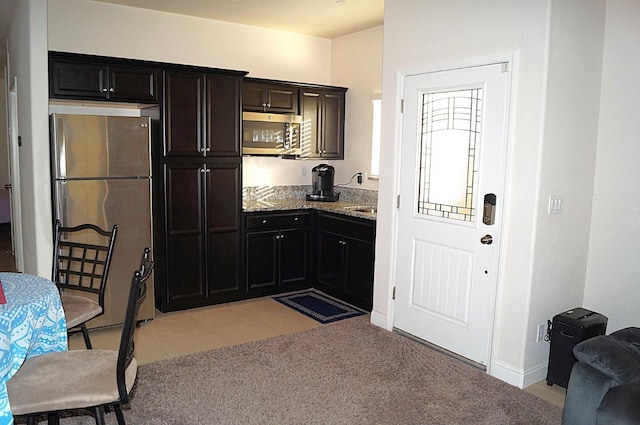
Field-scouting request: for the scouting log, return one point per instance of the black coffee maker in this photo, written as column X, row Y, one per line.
column 322, row 184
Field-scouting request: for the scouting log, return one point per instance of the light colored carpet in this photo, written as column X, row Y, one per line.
column 348, row 372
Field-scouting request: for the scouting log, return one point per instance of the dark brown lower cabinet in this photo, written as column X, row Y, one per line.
column 202, row 234
column 277, row 251
column 345, row 258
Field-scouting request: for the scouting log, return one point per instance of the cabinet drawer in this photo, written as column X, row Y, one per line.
column 276, row 221
column 363, row 230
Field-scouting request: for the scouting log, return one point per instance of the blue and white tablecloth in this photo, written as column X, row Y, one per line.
column 31, row 323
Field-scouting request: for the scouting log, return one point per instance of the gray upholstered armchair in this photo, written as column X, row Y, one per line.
column 604, row 387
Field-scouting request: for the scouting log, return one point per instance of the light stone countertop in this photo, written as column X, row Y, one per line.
column 340, row 207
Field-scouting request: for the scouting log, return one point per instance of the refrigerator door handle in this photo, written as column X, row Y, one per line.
column 59, row 158
column 61, row 207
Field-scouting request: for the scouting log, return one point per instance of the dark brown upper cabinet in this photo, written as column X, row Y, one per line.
column 322, row 130
column 202, row 114
column 83, row 77
column 269, row 97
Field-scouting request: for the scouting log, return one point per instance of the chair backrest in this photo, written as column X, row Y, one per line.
column 82, row 257
column 137, row 294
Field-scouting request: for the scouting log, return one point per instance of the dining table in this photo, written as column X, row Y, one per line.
column 32, row 322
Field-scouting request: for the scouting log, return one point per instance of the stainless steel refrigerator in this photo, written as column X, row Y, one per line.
column 101, row 171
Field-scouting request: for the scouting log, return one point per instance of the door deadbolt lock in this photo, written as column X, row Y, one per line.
column 486, row 240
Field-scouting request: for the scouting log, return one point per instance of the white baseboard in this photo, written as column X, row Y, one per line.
column 536, row 374
column 518, row 377
column 380, row 320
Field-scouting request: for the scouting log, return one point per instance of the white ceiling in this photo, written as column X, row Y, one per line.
column 318, row 18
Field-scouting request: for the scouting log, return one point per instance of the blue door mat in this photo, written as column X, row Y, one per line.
column 319, row 307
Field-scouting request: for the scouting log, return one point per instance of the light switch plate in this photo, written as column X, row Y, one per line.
column 555, row 204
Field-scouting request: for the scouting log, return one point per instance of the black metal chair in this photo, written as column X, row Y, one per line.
column 82, row 379
column 81, row 260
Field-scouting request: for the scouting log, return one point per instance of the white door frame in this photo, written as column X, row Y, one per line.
column 508, row 57
column 14, row 168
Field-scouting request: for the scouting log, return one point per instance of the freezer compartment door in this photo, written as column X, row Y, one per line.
column 93, row 146
column 125, row 202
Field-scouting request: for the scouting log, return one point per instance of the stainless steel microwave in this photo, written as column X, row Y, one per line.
column 270, row 134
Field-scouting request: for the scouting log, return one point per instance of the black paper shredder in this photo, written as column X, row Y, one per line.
column 567, row 330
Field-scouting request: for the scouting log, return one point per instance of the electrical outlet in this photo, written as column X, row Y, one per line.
column 542, row 330
column 359, row 179
column 303, row 171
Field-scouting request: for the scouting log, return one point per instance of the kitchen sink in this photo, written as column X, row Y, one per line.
column 362, row 208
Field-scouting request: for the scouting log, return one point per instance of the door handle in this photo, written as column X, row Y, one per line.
column 486, row 240
column 8, row 186
column 489, row 210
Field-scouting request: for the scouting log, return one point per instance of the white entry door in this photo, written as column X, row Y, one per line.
column 454, row 134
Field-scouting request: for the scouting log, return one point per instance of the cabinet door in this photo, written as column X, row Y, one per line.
column 282, row 99
column 253, row 97
column 133, row 84
column 224, row 115
column 223, row 209
column 310, row 141
column 333, row 125
column 358, row 282
column 277, row 98
column 183, row 114
column 322, row 123
column 293, row 256
column 77, row 80
column 330, row 264
column 184, row 234
column 262, row 259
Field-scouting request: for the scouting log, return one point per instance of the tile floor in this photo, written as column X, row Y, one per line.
column 189, row 331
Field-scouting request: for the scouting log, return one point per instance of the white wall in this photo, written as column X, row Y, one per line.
column 613, row 272
column 83, row 26
column 28, row 61
column 567, row 167
column 420, row 34
column 357, row 64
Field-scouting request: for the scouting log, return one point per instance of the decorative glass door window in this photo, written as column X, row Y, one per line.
column 449, row 133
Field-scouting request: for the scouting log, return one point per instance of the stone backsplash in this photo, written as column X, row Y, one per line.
column 349, row 194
